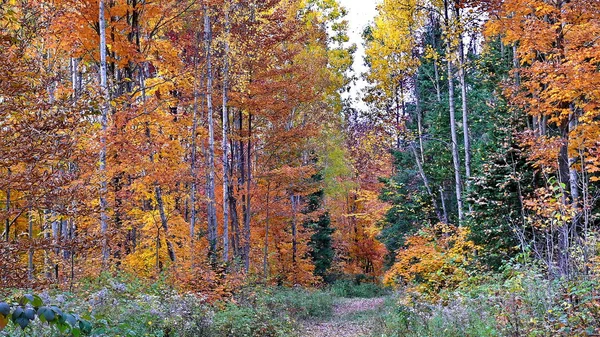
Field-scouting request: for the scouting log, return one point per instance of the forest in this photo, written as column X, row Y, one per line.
column 203, row 168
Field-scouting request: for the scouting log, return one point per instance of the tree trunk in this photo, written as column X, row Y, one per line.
column 248, row 213
column 212, row 212
column 426, row 183
column 438, row 91
column 7, row 209
column 30, row 268
column 104, row 124
column 266, row 244
column 465, row 108
column 225, row 142
column 193, row 157
column 157, row 189
column 293, row 200
column 164, row 221
column 455, row 155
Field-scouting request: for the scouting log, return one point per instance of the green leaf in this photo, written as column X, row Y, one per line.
column 37, row 301
column 63, row 327
column 46, row 314
column 27, row 298
column 85, row 326
column 76, row 332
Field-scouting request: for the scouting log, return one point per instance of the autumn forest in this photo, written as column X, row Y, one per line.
column 222, row 168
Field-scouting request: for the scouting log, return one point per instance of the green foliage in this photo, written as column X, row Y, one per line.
column 321, row 249
column 30, row 311
column 436, row 321
column 350, row 289
column 519, row 302
column 245, row 321
column 299, row 303
column 320, row 243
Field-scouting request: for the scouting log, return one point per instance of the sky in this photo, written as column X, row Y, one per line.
column 360, row 14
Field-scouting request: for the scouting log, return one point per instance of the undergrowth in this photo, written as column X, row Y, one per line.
column 520, row 302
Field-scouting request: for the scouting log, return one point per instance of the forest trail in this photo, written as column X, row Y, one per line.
column 352, row 317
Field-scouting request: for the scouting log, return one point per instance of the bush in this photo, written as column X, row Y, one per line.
column 521, row 302
column 299, row 303
column 240, row 321
column 457, row 319
column 349, row 289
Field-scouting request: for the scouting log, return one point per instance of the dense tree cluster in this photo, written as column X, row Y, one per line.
column 490, row 108
column 199, row 139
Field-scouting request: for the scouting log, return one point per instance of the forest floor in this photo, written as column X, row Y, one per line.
column 352, row 317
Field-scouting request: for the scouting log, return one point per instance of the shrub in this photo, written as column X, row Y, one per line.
column 299, row 303
column 243, row 321
column 435, row 259
column 350, row 289
column 521, row 302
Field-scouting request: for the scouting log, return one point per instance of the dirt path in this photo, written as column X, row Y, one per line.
column 352, row 317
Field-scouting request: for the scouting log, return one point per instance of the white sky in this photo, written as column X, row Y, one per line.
column 360, row 14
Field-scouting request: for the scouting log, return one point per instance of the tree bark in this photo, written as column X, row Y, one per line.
column 193, row 159
column 30, row 267
column 225, row 142
column 212, row 212
column 164, row 221
column 266, row 244
column 455, row 155
column 104, row 124
column 248, row 213
column 465, row 107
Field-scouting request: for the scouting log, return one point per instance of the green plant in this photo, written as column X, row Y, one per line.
column 299, row 303
column 31, row 307
column 350, row 289
column 244, row 321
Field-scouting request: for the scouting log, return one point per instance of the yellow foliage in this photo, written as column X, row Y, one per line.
column 435, row 259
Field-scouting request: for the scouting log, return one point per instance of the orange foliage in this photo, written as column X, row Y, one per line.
column 279, row 75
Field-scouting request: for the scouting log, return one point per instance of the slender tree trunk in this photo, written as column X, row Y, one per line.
column 398, row 107
column 241, row 183
column 193, row 157
column 30, row 267
column 426, row 183
column 438, row 91
column 266, row 244
column 164, row 221
column 573, row 174
column 7, row 209
column 225, row 142
column 248, row 213
column 104, row 124
column 574, row 182
column 157, row 189
column 419, row 155
column 443, row 200
column 516, row 64
column 465, row 107
column 212, row 212
column 419, row 120
column 564, row 178
column 455, row 155
column 294, row 229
